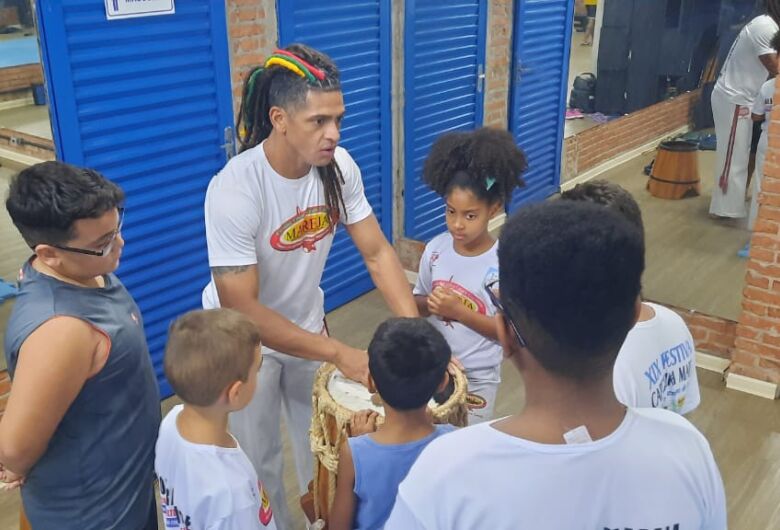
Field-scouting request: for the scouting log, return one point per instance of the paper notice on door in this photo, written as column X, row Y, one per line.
column 118, row 9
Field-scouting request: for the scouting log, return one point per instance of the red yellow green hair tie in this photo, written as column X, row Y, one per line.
column 296, row 65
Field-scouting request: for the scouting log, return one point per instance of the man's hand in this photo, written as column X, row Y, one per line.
column 444, row 303
column 363, row 422
column 353, row 363
column 10, row 480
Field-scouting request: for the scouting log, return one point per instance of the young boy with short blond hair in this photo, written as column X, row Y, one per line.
column 206, row 481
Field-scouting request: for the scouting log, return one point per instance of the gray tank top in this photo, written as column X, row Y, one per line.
column 98, row 469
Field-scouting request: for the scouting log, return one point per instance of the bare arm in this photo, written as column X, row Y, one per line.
column 238, row 288
column 757, row 117
column 482, row 324
column 54, row 363
column 342, row 514
column 769, row 61
column 422, row 304
column 383, row 265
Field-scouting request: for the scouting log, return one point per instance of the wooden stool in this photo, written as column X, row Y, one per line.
column 675, row 172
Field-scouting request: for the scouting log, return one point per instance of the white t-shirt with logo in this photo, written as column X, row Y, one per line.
column 255, row 216
column 441, row 266
column 654, row 471
column 656, row 366
column 743, row 73
column 205, row 487
column 763, row 105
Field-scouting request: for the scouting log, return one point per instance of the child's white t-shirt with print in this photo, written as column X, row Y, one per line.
column 255, row 216
column 654, row 471
column 656, row 366
column 441, row 266
column 205, row 487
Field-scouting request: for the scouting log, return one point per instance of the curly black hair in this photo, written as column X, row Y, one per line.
column 486, row 162
column 570, row 276
column 610, row 195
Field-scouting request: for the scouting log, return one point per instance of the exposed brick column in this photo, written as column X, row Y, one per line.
column 498, row 59
column 252, row 30
column 757, row 353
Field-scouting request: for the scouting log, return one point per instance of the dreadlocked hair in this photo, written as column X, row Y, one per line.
column 486, row 162
column 773, row 9
column 277, row 86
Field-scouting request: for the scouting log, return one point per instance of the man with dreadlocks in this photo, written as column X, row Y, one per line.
column 750, row 61
column 270, row 218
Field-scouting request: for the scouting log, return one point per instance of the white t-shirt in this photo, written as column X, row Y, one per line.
column 743, row 73
column 656, row 366
column 205, row 487
column 256, row 216
column 654, row 471
column 762, row 106
column 441, row 266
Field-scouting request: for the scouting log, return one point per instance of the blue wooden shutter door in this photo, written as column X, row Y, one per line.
column 356, row 35
column 542, row 36
column 145, row 101
column 444, row 46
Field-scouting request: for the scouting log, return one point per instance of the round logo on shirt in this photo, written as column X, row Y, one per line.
column 302, row 230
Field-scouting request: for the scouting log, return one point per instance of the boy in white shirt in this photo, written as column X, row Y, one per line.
column 206, row 481
column 573, row 456
column 656, row 366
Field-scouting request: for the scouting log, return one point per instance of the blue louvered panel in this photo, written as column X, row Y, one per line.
column 145, row 101
column 356, row 35
column 444, row 44
column 542, row 35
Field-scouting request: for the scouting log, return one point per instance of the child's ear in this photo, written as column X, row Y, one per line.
column 495, row 208
column 233, row 391
column 371, row 385
column 444, row 382
column 48, row 255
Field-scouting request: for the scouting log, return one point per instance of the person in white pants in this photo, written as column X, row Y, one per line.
column 749, row 62
column 271, row 214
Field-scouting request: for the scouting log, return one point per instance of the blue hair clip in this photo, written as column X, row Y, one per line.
column 489, row 183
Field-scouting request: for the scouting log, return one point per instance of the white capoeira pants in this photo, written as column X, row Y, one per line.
column 483, row 387
column 283, row 384
column 758, row 176
column 733, row 129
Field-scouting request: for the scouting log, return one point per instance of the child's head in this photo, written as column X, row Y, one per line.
column 569, row 280
column 213, row 356
column 407, row 360
column 69, row 216
column 607, row 194
column 475, row 172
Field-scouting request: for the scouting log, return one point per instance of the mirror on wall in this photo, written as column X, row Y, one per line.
column 25, row 129
column 627, row 58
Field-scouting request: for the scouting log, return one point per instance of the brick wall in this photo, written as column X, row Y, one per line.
column 757, row 352
column 252, row 34
column 712, row 335
column 20, row 77
column 595, row 146
column 498, row 59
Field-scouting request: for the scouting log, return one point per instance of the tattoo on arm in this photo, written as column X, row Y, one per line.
column 221, row 271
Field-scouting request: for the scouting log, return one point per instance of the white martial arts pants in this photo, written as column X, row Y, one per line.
column 733, row 129
column 284, row 383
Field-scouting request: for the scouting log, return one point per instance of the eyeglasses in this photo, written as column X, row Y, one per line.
column 489, row 287
column 106, row 249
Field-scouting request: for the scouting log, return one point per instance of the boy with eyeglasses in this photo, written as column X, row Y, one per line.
column 81, row 421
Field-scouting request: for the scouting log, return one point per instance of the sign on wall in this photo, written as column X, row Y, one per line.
column 118, row 9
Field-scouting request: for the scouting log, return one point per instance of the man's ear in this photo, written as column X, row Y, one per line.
column 278, row 117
